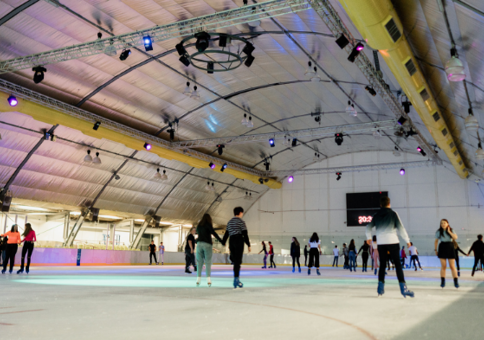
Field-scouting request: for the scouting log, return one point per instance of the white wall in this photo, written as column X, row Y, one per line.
column 318, row 203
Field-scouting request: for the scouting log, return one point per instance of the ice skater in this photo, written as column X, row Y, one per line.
column 457, row 261
column 205, row 248
column 3, row 248
column 413, row 252
column 237, row 231
column 446, row 251
column 314, row 252
column 153, row 252
column 478, row 249
column 271, row 255
column 374, row 254
column 352, row 255
column 306, row 253
column 28, row 248
column 264, row 249
column 365, row 253
column 403, row 256
column 13, row 241
column 346, row 255
column 295, row 254
column 162, row 253
column 388, row 227
column 336, row 255
column 190, row 251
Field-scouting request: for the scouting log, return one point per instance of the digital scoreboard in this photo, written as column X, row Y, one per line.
column 361, row 206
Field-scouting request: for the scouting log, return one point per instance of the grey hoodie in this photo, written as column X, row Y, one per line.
column 388, row 226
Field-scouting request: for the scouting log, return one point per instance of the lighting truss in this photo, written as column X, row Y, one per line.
column 305, row 133
column 354, row 168
column 331, row 18
column 178, row 29
column 24, row 93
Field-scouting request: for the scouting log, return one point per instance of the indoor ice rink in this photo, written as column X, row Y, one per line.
column 242, row 169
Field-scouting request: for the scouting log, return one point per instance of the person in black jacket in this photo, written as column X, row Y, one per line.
column 3, row 247
column 295, row 253
column 306, row 253
column 365, row 248
column 204, row 247
column 478, row 249
column 264, row 249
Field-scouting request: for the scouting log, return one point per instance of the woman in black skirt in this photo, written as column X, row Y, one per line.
column 446, row 251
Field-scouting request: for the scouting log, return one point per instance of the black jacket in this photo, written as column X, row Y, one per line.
column 205, row 232
column 295, row 250
column 478, row 248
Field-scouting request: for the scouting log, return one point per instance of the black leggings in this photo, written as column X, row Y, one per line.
column 11, row 251
column 313, row 258
column 28, row 248
column 154, row 255
column 394, row 250
column 457, row 265
column 476, row 262
column 236, row 247
column 294, row 259
column 415, row 260
column 364, row 256
column 273, row 264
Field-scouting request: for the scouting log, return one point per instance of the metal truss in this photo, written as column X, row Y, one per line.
column 264, row 137
column 178, row 29
column 354, row 168
column 331, row 18
column 24, row 93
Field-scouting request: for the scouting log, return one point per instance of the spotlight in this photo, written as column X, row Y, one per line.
column 202, row 41
column 172, row 133
column 210, row 67
column 406, row 106
column 294, row 142
column 342, row 41
column 338, row 138
column 164, row 177
column 96, row 125
column 88, row 157
column 290, row 179
column 116, row 177
column 184, row 60
column 422, row 152
column 317, row 119
column 222, row 42
column 402, row 171
column 148, row 42
column 471, row 123
column 220, row 149
column 124, row 55
column 261, row 180
column 96, row 159
column 355, row 52
column 147, row 146
column 157, row 175
column 371, row 90
column 454, row 67
column 338, row 176
column 12, row 101
column 223, row 167
column 272, row 143
column 211, row 165
column 248, row 49
column 180, row 49
column 39, row 73
column 250, row 59
column 401, row 120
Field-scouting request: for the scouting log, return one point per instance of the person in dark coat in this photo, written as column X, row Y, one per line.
column 295, row 253
column 306, row 253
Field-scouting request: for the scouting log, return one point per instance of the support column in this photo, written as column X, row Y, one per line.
column 67, row 219
column 75, row 230
column 131, row 231
column 137, row 240
column 113, row 237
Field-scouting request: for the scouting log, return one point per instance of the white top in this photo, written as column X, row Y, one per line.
column 314, row 244
column 336, row 252
column 412, row 250
column 374, row 245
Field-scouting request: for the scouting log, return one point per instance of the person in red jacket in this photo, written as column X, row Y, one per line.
column 403, row 256
column 12, row 247
column 271, row 253
column 28, row 248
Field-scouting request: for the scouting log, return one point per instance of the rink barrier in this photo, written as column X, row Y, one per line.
column 95, row 257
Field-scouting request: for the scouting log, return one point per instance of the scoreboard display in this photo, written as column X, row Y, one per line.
column 361, row 206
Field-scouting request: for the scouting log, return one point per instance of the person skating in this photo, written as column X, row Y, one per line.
column 237, row 231
column 388, row 227
column 445, row 251
column 346, row 257
column 264, row 250
column 403, row 256
column 336, row 255
column 314, row 252
column 352, row 255
column 306, row 253
column 271, row 255
column 13, row 241
column 205, row 247
column 28, row 248
column 162, row 253
column 374, row 254
column 478, row 249
column 190, row 251
column 3, row 248
column 295, row 254
column 457, row 261
column 413, row 252
column 153, row 252
column 365, row 253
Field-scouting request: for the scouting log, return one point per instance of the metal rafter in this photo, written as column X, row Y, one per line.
column 304, row 133
column 178, row 29
column 354, row 168
column 331, row 18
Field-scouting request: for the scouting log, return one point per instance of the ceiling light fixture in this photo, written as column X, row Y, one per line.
column 370, row 90
column 164, row 177
column 124, row 54
column 422, row 152
column 401, row 120
column 316, row 157
column 471, row 123
column 96, row 159
column 184, row 60
column 338, row 176
column 180, row 49
column 12, row 101
column 88, row 157
column 338, row 138
column 250, row 59
column 148, row 42
column 290, row 179
column 355, row 52
column 396, row 152
column 402, row 171
column 203, row 39
column 244, row 120
column 222, row 169
column 250, row 124
column 220, row 149
column 210, row 67
column 211, row 165
column 96, row 126
column 377, row 134
column 316, row 78
column 39, row 73
column 342, row 41
column 272, row 142
column 187, row 92
column 309, row 72
column 116, row 177
column 479, row 152
column 261, row 180
column 294, row 142
column 157, row 174
column 147, row 146
column 195, row 94
column 454, row 67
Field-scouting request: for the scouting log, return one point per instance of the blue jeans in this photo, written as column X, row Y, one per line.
column 352, row 260
column 335, row 260
column 204, row 255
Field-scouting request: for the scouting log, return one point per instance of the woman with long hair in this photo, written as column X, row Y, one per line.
column 374, row 254
column 314, row 252
column 28, row 248
column 295, row 254
column 14, row 240
column 352, row 255
column 264, row 249
column 204, row 247
column 446, row 251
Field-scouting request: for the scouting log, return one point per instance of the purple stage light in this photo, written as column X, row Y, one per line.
column 360, row 47
column 290, row 179
column 212, row 166
column 419, row 149
column 12, row 101
column 147, row 146
column 402, row 172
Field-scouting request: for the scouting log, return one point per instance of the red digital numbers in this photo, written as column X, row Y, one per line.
column 364, row 219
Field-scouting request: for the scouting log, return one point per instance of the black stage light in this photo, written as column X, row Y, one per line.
column 210, row 67
column 172, row 134
column 148, row 42
column 261, row 180
column 248, row 49
column 116, row 177
column 294, row 142
column 180, row 49
column 338, row 176
column 401, row 120
column 220, row 149
column 422, row 152
column 342, row 41
column 317, row 119
column 147, row 146
column 222, row 42
column 96, row 125
column 223, row 167
column 355, row 52
column 338, row 138
column 406, row 106
column 124, row 55
column 411, row 133
column 39, row 73
column 371, row 90
column 184, row 60
column 250, row 59
column 46, row 135
column 202, row 41
column 272, row 142
column 267, row 165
